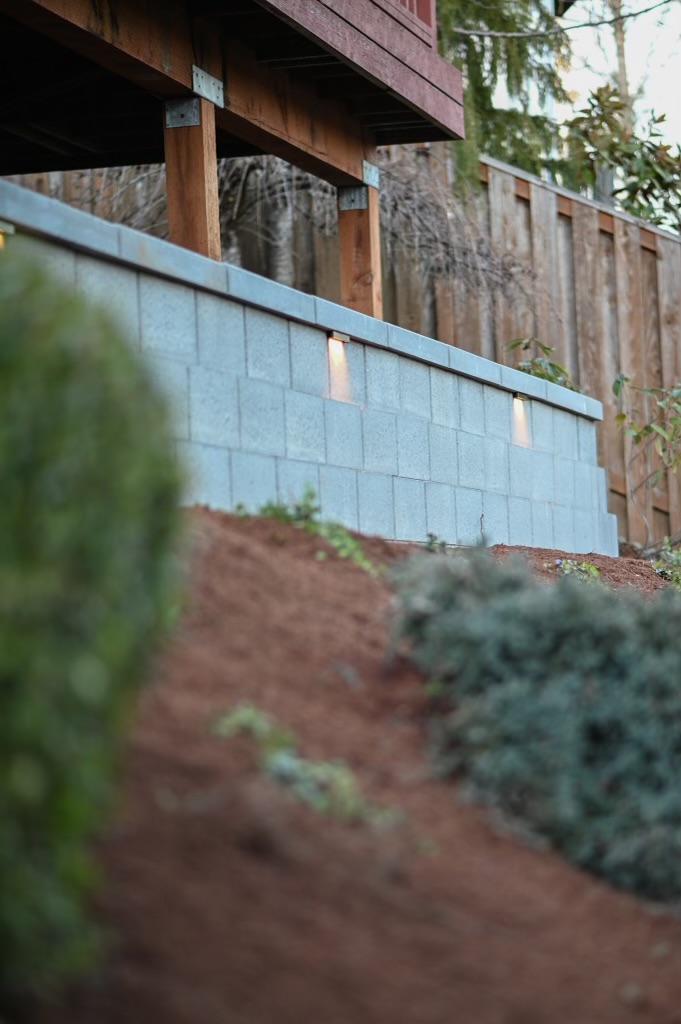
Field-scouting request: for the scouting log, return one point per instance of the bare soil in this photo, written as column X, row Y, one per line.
column 229, row 902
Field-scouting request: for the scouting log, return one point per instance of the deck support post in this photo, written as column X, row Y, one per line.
column 192, row 175
column 359, row 243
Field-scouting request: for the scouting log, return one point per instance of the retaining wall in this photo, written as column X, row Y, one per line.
column 398, row 434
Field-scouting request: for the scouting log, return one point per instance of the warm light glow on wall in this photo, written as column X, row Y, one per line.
column 521, row 434
column 5, row 229
column 339, row 377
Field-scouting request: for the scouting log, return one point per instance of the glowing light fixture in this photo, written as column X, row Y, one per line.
column 521, row 433
column 518, row 397
column 338, row 365
column 5, row 229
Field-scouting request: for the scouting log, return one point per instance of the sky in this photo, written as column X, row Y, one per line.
column 653, row 61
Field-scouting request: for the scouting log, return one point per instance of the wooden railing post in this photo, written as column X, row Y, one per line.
column 192, row 175
column 359, row 243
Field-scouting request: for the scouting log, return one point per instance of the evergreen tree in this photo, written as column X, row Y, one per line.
column 526, row 65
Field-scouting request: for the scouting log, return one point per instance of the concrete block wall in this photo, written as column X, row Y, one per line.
column 398, row 434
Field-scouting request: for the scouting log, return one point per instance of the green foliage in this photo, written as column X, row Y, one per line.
column 87, row 581
column 668, row 563
column 527, row 67
column 648, row 169
column 540, row 364
column 586, row 571
column 561, row 706
column 305, row 514
column 657, row 423
column 329, row 787
column 435, row 545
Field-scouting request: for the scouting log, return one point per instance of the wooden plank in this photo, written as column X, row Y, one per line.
column 504, row 239
column 606, row 223
column 612, row 436
column 565, row 276
column 669, row 299
column 416, row 15
column 360, row 257
column 155, row 45
column 369, row 39
column 630, row 332
column 192, row 185
column 648, row 239
column 544, row 221
column 522, row 188
column 564, row 206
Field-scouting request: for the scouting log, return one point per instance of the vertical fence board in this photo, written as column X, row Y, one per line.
column 544, row 219
column 632, row 362
column 502, row 201
column 669, row 299
column 567, row 305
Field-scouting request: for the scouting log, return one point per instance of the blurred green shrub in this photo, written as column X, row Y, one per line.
column 89, row 493
column 559, row 704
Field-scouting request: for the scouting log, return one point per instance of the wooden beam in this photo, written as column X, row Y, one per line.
column 360, row 250
column 192, row 183
column 155, row 44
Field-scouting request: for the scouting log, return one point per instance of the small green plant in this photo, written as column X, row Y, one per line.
column 667, row 563
column 329, row 787
column 305, row 514
column 559, row 705
column 540, row 364
column 88, row 582
column 435, row 545
column 580, row 570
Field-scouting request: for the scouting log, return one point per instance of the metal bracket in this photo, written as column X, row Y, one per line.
column 370, row 174
column 353, row 197
column 183, row 113
column 208, row 87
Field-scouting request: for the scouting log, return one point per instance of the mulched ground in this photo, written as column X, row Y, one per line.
column 233, row 904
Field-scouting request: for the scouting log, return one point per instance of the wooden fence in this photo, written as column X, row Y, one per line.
column 603, row 290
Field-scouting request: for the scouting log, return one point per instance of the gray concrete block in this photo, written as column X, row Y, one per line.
column 376, row 504
column 472, row 406
column 586, row 527
column 305, row 429
column 444, row 459
column 600, row 483
column 333, row 317
column 267, row 347
column 382, row 379
column 214, row 407
column 471, row 449
column 496, row 468
column 444, row 396
column 413, row 455
column 469, row 516
column 498, row 413
column 172, row 380
column 254, row 480
column 564, row 481
column 56, row 260
column 441, row 512
column 410, row 509
column 584, row 486
column 521, row 467
column 609, row 544
column 542, row 525
column 294, row 478
column 593, row 409
column 415, row 388
column 343, row 435
column 261, row 415
column 48, row 217
column 113, row 287
column 543, row 482
column 565, row 434
column 172, row 261
column 222, row 334
column 520, row 521
column 309, row 360
column 255, row 290
column 417, row 345
column 470, row 365
column 338, row 495
column 380, row 441
column 542, row 427
column 573, row 401
column 208, row 475
column 563, row 528
column 168, row 318
column 347, row 373
column 523, row 383
column 586, row 436
column 495, row 525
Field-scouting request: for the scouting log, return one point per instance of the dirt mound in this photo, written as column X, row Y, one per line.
column 234, row 904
